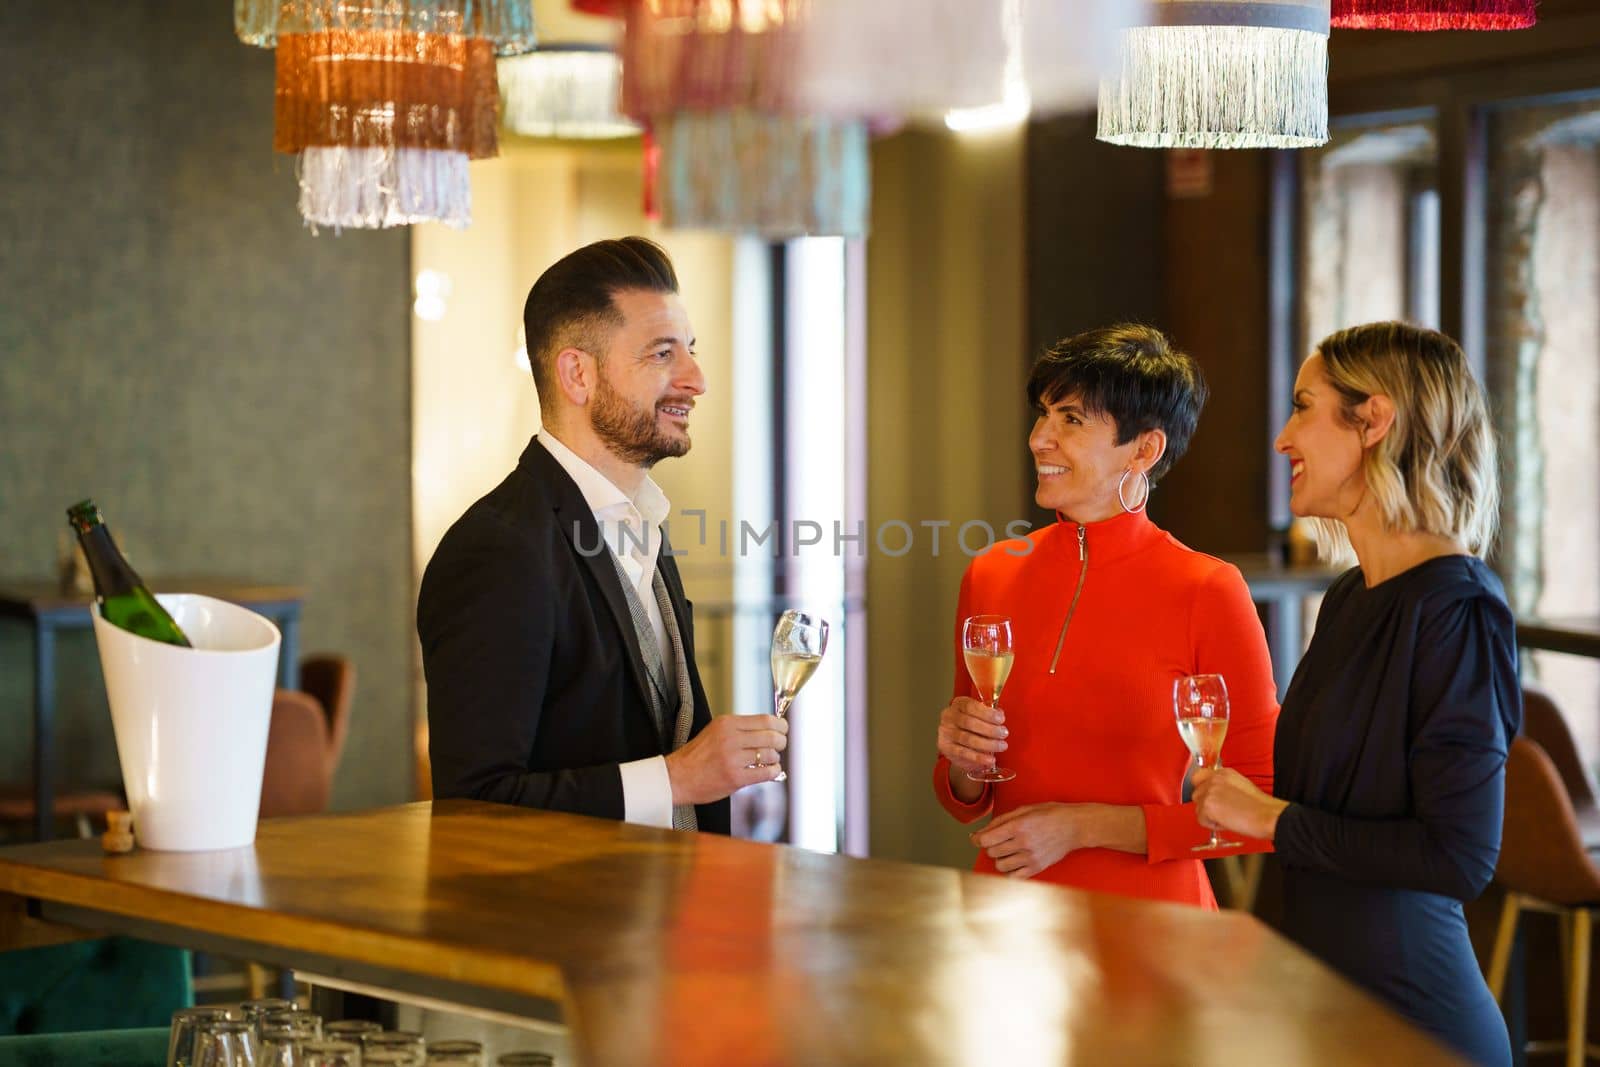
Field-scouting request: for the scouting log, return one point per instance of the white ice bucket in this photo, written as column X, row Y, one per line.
column 191, row 723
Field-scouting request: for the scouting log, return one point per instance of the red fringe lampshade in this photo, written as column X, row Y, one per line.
column 715, row 81
column 1433, row 14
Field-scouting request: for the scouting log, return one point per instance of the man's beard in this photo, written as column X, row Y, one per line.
column 632, row 434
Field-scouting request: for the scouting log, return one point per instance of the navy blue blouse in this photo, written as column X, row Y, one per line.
column 1391, row 748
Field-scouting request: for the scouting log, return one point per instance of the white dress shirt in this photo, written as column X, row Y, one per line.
column 631, row 528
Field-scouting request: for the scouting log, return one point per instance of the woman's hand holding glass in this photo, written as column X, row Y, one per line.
column 987, row 651
column 971, row 735
column 1200, row 702
column 1226, row 800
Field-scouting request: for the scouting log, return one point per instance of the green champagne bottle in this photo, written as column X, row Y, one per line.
column 124, row 600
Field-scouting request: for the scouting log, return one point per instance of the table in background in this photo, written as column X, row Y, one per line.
column 48, row 611
column 658, row 947
column 1282, row 588
column 1576, row 636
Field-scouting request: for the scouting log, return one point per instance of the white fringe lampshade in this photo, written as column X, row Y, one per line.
column 379, row 188
column 564, row 90
column 1221, row 74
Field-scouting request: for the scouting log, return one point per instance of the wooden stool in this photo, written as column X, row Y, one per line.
column 1242, row 876
column 1544, row 867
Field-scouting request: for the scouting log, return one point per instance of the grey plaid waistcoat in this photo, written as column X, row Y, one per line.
column 672, row 728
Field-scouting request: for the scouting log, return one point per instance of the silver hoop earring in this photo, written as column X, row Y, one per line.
column 1143, row 500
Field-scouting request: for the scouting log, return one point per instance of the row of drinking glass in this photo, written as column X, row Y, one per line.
column 276, row 1033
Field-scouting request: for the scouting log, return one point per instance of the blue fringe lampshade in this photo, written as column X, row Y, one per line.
column 506, row 24
column 776, row 176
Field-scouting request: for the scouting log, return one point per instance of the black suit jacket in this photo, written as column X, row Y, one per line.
column 536, row 689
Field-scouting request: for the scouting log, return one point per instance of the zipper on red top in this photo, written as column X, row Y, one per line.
column 1083, row 573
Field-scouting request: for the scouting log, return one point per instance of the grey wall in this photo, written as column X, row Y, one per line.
column 233, row 391
column 947, row 427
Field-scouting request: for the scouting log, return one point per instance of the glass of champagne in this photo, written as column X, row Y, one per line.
column 798, row 642
column 986, row 647
column 1200, row 702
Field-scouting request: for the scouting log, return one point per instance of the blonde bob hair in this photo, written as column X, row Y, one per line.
column 1435, row 471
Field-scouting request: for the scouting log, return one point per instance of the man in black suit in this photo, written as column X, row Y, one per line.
column 556, row 639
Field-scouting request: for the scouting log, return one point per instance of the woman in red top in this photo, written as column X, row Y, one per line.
column 1107, row 612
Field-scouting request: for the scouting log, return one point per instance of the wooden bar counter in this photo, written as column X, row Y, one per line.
column 666, row 948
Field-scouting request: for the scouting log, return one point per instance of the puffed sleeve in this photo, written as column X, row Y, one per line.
column 1226, row 638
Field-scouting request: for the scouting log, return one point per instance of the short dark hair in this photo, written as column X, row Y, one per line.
column 1131, row 373
column 571, row 303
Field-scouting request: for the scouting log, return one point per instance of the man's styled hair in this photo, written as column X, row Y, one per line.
column 1131, row 373
column 571, row 304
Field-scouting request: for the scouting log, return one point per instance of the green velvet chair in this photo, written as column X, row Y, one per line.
column 93, row 1048
column 84, row 994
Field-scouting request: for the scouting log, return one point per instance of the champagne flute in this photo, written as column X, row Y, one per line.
column 1200, row 702
column 986, row 647
column 798, row 642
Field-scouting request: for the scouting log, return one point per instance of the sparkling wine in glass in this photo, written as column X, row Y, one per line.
column 798, row 642
column 1200, row 702
column 986, row 648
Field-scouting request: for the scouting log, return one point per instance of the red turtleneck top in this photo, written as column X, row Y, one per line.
column 1100, row 729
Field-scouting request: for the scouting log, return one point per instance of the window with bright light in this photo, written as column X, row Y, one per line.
column 798, row 470
column 1544, row 287
column 1370, row 216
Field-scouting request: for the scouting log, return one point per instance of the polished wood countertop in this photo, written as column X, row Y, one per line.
column 671, row 948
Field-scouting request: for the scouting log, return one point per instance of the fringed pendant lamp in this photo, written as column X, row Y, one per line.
column 1221, row 74
column 385, row 101
column 715, row 81
column 256, row 22
column 385, row 118
column 564, row 90
column 506, row 24
column 776, row 176
column 570, row 85
column 1434, row 14
column 924, row 57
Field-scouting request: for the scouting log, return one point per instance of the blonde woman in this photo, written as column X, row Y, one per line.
column 1391, row 744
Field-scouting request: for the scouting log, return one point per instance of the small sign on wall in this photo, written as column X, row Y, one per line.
column 1189, row 173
